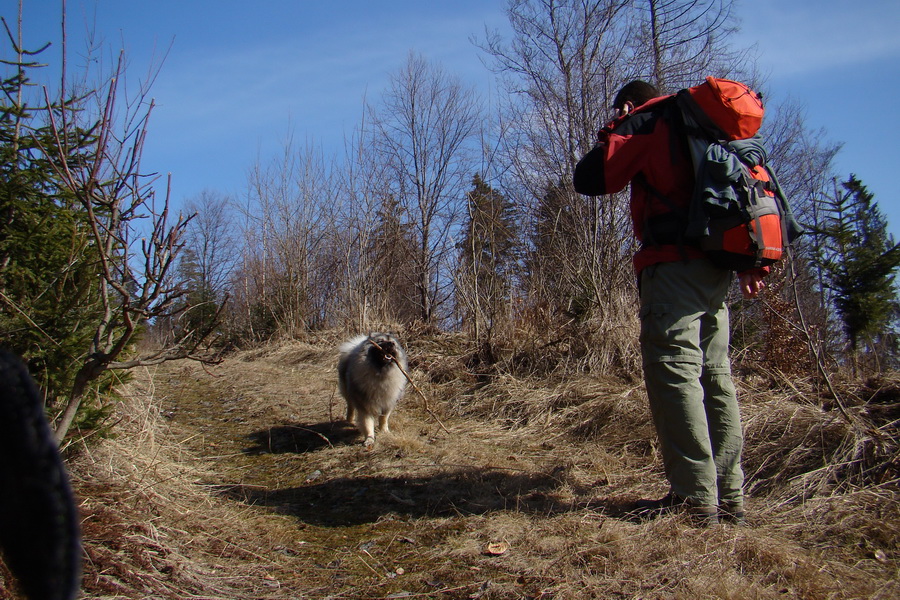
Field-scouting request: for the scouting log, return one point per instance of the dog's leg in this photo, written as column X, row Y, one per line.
column 366, row 425
column 350, row 413
column 383, row 422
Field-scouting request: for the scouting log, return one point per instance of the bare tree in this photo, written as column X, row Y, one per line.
column 134, row 262
column 377, row 285
column 287, row 223
column 561, row 66
column 677, row 43
column 211, row 240
column 422, row 131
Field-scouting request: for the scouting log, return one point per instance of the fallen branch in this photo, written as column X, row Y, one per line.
column 325, row 439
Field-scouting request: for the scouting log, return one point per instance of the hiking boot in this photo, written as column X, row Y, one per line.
column 666, row 504
column 732, row 512
column 701, row 515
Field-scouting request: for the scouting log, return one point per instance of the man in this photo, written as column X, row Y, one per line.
column 684, row 320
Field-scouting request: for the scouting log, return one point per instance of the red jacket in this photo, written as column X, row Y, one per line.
column 640, row 149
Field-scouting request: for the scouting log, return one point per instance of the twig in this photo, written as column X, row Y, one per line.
column 327, row 441
column 815, row 350
column 206, row 370
column 331, row 408
column 445, row 590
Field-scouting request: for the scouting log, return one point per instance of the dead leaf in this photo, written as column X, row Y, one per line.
column 496, row 548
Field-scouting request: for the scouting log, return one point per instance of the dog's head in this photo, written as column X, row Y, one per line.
column 384, row 348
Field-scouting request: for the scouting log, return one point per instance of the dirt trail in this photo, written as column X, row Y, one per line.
column 256, row 488
column 279, row 439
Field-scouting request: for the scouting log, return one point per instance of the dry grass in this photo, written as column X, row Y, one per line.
column 242, row 482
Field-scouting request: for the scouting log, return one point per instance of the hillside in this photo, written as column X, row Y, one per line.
column 242, row 481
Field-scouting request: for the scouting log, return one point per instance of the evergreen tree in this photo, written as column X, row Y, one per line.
column 859, row 259
column 200, row 304
column 391, row 253
column 47, row 285
column 487, row 261
column 205, row 267
column 555, row 252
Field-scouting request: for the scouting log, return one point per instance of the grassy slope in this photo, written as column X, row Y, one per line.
column 241, row 481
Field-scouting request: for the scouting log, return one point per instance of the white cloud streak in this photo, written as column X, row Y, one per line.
column 812, row 36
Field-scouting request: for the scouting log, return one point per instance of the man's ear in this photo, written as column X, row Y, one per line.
column 627, row 108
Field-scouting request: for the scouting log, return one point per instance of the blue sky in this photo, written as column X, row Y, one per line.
column 239, row 76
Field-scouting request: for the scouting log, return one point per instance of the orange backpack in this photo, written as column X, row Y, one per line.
column 731, row 107
column 738, row 211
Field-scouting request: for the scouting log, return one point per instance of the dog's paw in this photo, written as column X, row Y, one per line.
column 369, row 442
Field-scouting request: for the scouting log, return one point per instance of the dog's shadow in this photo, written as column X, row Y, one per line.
column 301, row 439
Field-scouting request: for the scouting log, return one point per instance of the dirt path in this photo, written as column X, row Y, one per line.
column 265, row 492
column 425, row 512
column 278, row 438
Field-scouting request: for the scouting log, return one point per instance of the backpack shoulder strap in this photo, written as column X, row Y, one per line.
column 696, row 122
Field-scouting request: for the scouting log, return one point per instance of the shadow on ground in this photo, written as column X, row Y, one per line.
column 441, row 491
column 344, row 501
column 300, row 439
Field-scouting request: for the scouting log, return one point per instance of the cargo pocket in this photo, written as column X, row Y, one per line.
column 666, row 337
column 656, row 323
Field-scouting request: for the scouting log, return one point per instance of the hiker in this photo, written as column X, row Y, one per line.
column 684, row 319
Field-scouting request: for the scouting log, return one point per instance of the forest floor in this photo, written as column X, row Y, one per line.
column 242, row 480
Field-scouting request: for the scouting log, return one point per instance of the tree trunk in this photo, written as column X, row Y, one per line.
column 64, row 423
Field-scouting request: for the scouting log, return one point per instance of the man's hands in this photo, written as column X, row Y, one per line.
column 751, row 282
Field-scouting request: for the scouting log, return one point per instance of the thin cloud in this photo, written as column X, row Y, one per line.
column 809, row 37
column 310, row 78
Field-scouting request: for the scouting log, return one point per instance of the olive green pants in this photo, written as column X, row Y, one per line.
column 684, row 345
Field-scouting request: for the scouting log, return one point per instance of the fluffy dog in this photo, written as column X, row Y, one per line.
column 371, row 381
